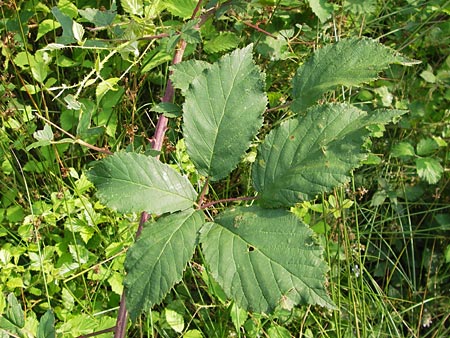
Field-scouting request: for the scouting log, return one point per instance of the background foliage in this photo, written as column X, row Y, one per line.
column 386, row 234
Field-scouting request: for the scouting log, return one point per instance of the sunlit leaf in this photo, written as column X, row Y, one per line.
column 322, row 8
column 97, row 17
column 304, row 157
column 46, row 328
column 131, row 182
column 223, row 42
column 349, row 62
column 185, row 72
column 135, row 7
column 181, row 8
column 158, row 258
column 429, row 169
column 264, row 258
column 14, row 312
column 403, row 149
column 46, row 26
column 223, row 112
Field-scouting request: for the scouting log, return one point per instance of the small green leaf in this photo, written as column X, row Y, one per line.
column 181, row 8
column 97, row 17
column 360, row 7
column 193, row 334
column 349, row 62
column 158, row 258
column 225, row 41
column 427, row 146
column 264, row 258
column 155, row 59
column 403, row 149
column 223, row 112
column 134, row 7
column 304, row 157
column 428, row 75
column 78, row 31
column 44, row 137
column 447, row 254
column 169, row 109
column 238, row 316
column 14, row 312
column 278, row 332
column 46, row 328
column 46, row 134
column 189, row 33
column 185, row 72
column 429, row 169
column 322, row 8
column 46, row 26
column 105, row 86
column 132, row 182
column 66, row 23
column 68, row 8
column 175, row 320
column 72, row 102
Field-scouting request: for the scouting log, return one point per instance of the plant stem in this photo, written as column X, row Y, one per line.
column 156, row 142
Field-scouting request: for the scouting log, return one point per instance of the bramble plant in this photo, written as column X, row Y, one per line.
column 258, row 170
column 262, row 255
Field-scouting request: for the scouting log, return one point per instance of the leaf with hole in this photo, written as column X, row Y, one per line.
column 265, row 258
column 307, row 156
column 131, row 182
column 223, row 112
column 158, row 258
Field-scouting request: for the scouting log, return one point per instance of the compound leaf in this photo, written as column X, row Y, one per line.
column 264, row 258
column 223, row 112
column 131, row 182
column 157, row 260
column 349, row 62
column 302, row 158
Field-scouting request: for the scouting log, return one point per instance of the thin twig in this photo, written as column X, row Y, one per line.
column 96, row 333
column 203, row 193
column 75, row 139
column 259, row 29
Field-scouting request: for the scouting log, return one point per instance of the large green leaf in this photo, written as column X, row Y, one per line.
column 304, row 157
column 158, row 258
column 131, row 182
column 223, row 112
column 264, row 258
column 349, row 62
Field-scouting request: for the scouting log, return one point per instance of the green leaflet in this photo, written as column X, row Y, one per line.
column 223, row 112
column 349, row 62
column 264, row 258
column 223, row 42
column 304, row 157
column 46, row 328
column 131, row 182
column 158, row 258
column 185, row 72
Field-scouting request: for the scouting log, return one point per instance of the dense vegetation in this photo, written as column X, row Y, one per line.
column 84, row 81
